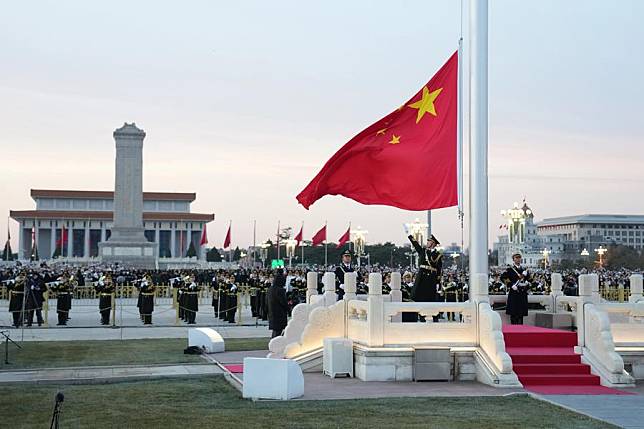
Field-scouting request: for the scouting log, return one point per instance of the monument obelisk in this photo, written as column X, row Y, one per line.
column 127, row 242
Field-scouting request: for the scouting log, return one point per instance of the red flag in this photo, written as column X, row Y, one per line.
column 227, row 240
column 345, row 237
column 319, row 236
column 204, row 237
column 298, row 237
column 407, row 159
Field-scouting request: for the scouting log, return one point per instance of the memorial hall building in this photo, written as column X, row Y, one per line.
column 84, row 219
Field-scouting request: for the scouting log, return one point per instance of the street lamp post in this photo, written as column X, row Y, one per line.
column 601, row 251
column 545, row 252
column 359, row 240
column 290, row 250
column 263, row 251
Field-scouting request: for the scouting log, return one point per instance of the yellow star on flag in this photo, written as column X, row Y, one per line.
column 394, row 139
column 426, row 103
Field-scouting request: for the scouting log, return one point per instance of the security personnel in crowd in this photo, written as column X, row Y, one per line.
column 277, row 304
column 344, row 267
column 146, row 292
column 105, row 289
column 430, row 262
column 517, row 282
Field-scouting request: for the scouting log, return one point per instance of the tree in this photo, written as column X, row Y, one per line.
column 236, row 254
column 213, row 255
column 7, row 254
column 192, row 252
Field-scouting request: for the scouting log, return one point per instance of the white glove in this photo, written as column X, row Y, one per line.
column 515, row 287
column 342, row 286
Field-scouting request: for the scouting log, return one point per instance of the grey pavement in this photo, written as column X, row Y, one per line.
column 132, row 333
column 624, row 411
column 105, row 374
column 84, row 313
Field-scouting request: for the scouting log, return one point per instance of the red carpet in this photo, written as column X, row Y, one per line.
column 235, row 369
column 546, row 363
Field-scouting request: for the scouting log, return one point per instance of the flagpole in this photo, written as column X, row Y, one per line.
column 302, row 243
column 478, row 210
column 230, row 245
column 278, row 239
column 254, row 240
column 326, row 258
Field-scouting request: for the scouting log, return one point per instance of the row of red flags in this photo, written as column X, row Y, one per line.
column 318, row 238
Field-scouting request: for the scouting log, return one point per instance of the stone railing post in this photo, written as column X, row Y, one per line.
column 636, row 288
column 556, row 284
column 588, row 293
column 311, row 285
column 375, row 311
column 396, row 294
column 555, row 290
column 330, row 296
column 350, row 286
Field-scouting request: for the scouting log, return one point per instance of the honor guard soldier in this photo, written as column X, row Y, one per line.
column 63, row 288
column 192, row 300
column 105, row 289
column 146, row 292
column 16, row 289
column 344, row 267
column 517, row 282
column 430, row 263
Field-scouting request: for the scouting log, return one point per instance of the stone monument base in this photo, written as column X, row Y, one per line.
column 141, row 255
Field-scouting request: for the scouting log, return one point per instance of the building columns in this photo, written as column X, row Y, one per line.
column 86, row 244
column 21, row 253
column 52, row 240
column 70, row 239
column 173, row 240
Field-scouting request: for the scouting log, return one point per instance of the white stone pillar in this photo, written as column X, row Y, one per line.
column 375, row 312
column 636, row 288
column 189, row 237
column 157, row 236
column 396, row 293
column 556, row 284
column 86, row 243
column 103, row 232
column 52, row 238
column 350, row 287
column 21, row 252
column 311, row 285
column 330, row 296
column 588, row 292
column 173, row 240
column 36, row 236
column 70, row 239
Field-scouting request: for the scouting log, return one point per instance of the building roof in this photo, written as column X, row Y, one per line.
column 108, row 215
column 592, row 218
column 109, row 195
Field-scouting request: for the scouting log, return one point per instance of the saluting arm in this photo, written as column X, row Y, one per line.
column 414, row 243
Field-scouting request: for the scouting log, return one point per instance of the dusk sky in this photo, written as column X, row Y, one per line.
column 243, row 102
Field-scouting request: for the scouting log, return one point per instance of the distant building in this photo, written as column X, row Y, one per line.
column 86, row 217
column 564, row 237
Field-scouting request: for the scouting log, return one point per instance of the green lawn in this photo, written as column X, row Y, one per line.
column 212, row 402
column 51, row 354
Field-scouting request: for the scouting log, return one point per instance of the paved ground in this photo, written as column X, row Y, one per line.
column 92, row 375
column 85, row 313
column 106, row 333
column 623, row 411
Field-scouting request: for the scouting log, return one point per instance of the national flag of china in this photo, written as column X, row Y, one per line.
column 299, row 236
column 227, row 239
column 319, row 236
column 406, row 160
column 345, row 237
column 204, row 237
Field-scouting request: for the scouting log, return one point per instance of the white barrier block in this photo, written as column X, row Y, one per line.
column 272, row 379
column 206, row 338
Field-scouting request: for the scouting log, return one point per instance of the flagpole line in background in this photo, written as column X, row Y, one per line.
column 326, row 259
column 459, row 143
column 254, row 240
column 278, row 239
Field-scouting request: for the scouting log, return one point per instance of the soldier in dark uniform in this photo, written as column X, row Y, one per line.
column 277, row 304
column 517, row 282
column 63, row 287
column 35, row 298
column 192, row 300
column 430, row 262
column 146, row 292
column 344, row 267
column 16, row 289
column 105, row 288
